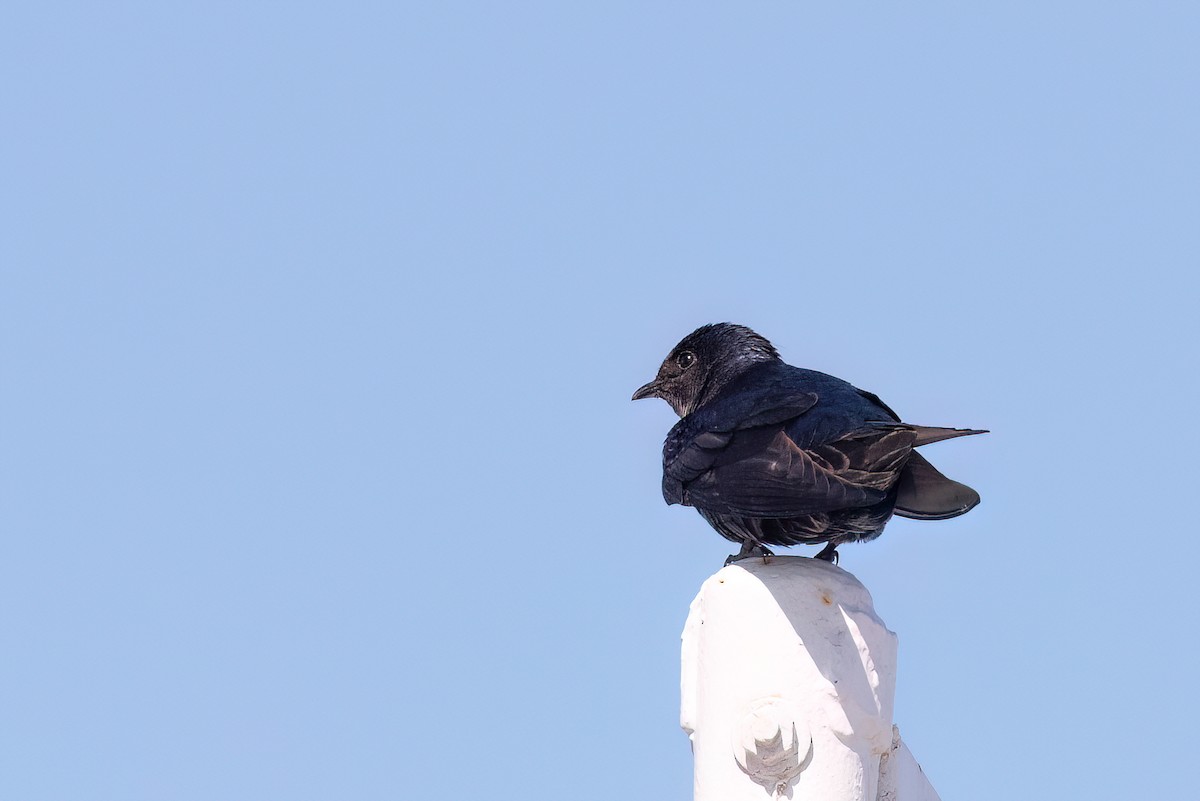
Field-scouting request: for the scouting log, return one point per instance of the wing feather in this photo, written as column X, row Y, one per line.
column 764, row 473
column 754, row 467
column 693, row 445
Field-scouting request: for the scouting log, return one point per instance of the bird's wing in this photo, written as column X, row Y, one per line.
column 762, row 472
column 695, row 443
column 768, row 475
column 778, row 406
column 873, row 398
column 928, row 434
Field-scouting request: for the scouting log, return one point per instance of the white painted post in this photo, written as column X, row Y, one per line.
column 787, row 687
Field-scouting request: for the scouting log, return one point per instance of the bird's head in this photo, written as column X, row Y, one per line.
column 703, row 362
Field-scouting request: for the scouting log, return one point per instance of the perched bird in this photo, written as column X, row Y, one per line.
column 771, row 454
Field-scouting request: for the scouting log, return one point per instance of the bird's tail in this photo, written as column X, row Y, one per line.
column 924, row 493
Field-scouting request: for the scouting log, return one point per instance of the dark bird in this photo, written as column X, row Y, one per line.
column 771, row 454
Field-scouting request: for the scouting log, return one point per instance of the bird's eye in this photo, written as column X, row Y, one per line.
column 685, row 360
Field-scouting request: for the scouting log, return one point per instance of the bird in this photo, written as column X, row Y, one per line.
column 771, row 454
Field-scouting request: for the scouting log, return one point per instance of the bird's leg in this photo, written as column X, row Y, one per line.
column 828, row 553
column 750, row 548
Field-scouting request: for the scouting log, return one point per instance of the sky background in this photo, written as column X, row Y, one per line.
column 319, row 477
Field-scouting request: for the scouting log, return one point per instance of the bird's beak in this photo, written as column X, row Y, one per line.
column 648, row 391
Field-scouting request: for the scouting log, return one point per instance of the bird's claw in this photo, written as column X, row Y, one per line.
column 748, row 550
column 828, row 554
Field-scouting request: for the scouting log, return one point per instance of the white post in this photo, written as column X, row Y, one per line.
column 787, row 688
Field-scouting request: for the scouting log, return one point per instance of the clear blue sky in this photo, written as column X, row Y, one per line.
column 319, row 477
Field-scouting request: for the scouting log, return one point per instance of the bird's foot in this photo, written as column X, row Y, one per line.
column 829, row 554
column 750, row 549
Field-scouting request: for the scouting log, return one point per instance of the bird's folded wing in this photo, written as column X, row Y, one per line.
column 779, row 406
column 763, row 473
column 694, row 444
column 927, row 434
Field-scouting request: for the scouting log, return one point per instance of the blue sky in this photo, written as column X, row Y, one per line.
column 318, row 325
